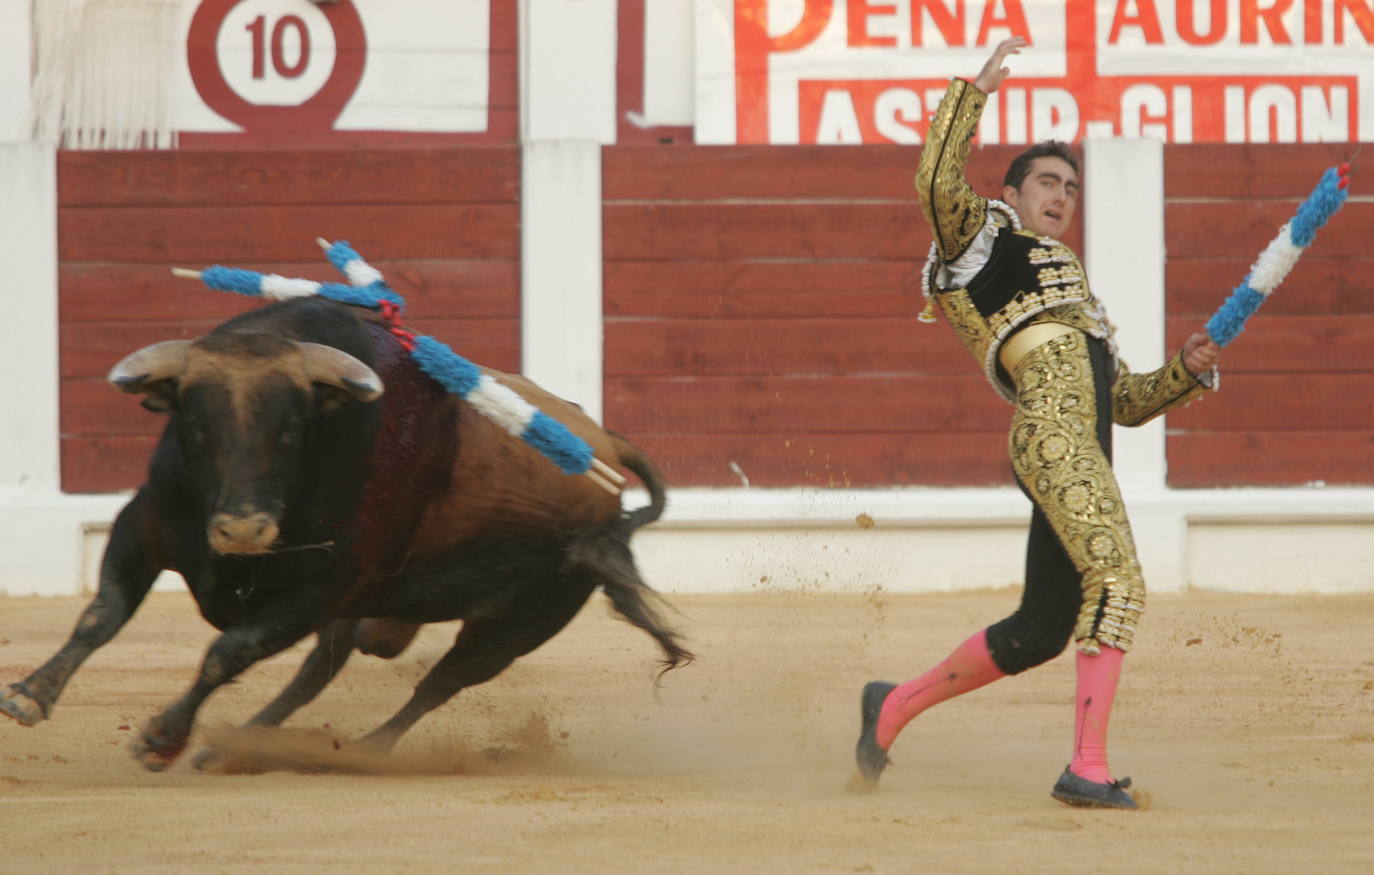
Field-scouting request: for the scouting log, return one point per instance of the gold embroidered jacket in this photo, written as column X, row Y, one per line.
column 990, row 278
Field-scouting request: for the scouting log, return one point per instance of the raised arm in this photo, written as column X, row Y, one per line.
column 954, row 212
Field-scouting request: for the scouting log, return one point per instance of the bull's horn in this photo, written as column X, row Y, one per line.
column 325, row 364
column 149, row 365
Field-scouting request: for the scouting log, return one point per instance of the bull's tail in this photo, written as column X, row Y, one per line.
column 640, row 606
column 633, row 458
column 606, row 554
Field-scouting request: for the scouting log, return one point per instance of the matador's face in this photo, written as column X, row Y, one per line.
column 1047, row 197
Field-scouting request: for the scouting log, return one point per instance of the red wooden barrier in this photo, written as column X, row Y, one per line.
column 442, row 225
column 1297, row 397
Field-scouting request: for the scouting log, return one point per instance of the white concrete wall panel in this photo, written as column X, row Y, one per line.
column 1291, row 556
column 1123, row 236
column 669, row 44
column 28, row 337
column 561, row 321
column 568, row 68
column 16, row 59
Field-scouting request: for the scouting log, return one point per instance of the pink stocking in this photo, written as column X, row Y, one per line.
column 1097, row 676
column 969, row 667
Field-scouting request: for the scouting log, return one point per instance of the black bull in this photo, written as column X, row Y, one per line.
column 294, row 497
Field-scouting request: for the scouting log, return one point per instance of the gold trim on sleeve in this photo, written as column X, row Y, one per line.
column 1139, row 398
column 954, row 212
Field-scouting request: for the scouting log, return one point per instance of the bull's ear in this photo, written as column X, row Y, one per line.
column 334, row 367
column 152, row 372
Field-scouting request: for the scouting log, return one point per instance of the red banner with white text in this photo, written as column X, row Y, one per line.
column 1183, row 71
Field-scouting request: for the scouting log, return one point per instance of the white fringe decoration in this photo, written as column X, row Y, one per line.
column 502, row 404
column 103, row 73
column 281, row 288
column 1275, row 261
column 361, row 274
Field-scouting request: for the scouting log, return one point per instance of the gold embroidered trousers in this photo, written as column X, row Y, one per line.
column 1057, row 457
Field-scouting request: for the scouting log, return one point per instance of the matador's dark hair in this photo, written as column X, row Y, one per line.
column 1021, row 164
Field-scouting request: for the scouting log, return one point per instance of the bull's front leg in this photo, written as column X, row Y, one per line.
column 127, row 571
column 336, row 643
column 271, row 629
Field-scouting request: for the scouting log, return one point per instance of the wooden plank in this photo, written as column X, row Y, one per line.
column 1303, row 344
column 93, row 408
column 89, row 349
column 850, row 173
column 774, row 460
column 503, row 128
column 795, row 405
column 492, row 343
column 116, row 292
column 505, row 16
column 169, row 302
column 724, row 231
column 1286, row 402
column 503, row 89
column 245, row 235
column 1243, row 228
column 736, row 289
column 641, row 231
column 1231, row 170
column 105, row 464
column 1317, row 285
column 757, row 347
column 1343, row 458
column 348, row 179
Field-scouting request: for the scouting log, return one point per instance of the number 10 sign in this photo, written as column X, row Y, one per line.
column 284, row 70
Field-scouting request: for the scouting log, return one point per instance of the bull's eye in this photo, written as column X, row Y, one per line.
column 290, row 434
column 193, row 428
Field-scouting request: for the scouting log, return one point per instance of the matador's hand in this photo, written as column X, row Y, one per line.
column 993, row 73
column 1200, row 353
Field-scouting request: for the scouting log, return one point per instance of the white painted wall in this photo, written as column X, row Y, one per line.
column 560, row 269
column 16, row 57
column 1123, row 215
column 41, row 531
column 714, row 83
column 1123, row 235
column 669, row 46
column 568, row 69
column 28, row 337
column 568, row 106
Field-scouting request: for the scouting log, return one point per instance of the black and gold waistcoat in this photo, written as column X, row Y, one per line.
column 1024, row 279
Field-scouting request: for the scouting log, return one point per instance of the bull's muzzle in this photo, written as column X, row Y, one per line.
column 248, row 534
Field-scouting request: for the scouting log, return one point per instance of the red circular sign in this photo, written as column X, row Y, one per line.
column 316, row 114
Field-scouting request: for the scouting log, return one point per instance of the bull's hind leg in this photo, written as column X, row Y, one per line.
column 486, row 647
column 127, row 571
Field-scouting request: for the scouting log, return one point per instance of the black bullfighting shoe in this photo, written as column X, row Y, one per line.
column 1082, row 793
column 870, row 758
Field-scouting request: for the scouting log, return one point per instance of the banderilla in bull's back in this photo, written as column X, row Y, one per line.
column 314, row 477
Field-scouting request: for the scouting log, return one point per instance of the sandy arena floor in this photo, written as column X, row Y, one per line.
column 1246, row 720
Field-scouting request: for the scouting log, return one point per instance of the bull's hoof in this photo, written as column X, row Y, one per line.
column 206, row 759
column 156, row 753
column 16, row 704
column 378, row 742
